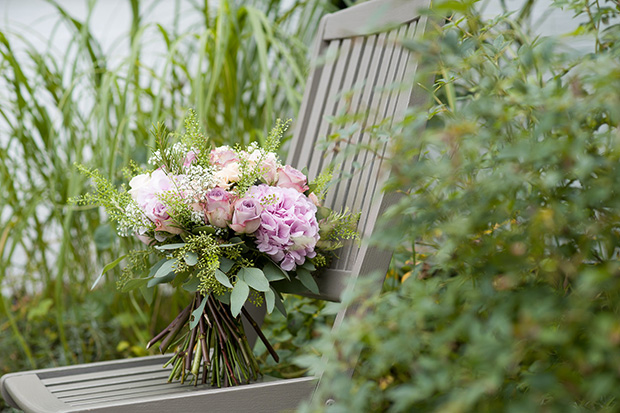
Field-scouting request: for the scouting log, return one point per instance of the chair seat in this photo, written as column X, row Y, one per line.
column 140, row 385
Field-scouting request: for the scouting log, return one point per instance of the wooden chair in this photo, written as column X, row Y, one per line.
column 361, row 53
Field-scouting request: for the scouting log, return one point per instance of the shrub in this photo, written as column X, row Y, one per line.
column 513, row 209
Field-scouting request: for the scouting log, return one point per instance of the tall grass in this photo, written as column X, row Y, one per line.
column 242, row 66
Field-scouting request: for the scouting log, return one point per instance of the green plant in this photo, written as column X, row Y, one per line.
column 241, row 66
column 513, row 212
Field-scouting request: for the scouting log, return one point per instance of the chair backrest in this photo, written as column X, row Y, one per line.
column 362, row 61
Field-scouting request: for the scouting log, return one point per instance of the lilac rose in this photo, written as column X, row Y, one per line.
column 246, row 216
column 219, row 207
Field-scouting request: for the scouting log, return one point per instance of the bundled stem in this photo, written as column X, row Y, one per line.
column 217, row 343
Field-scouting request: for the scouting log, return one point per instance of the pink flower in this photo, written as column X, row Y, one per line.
column 219, row 207
column 228, row 175
column 189, row 158
column 314, row 199
column 288, row 228
column 269, row 169
column 246, row 216
column 222, row 156
column 145, row 189
column 289, row 177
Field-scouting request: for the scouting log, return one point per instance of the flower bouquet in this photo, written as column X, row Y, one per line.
column 223, row 224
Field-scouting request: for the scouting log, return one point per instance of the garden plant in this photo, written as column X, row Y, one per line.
column 508, row 226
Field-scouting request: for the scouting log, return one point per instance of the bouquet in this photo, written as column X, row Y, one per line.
column 225, row 224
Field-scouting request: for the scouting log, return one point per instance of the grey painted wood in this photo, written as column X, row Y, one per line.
column 357, row 58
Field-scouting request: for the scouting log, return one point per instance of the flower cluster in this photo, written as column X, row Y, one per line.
column 227, row 225
column 278, row 214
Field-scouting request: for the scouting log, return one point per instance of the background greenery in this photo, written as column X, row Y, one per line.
column 508, row 232
column 242, row 65
column 511, row 215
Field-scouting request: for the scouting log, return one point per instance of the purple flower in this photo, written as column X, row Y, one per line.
column 219, row 207
column 288, row 229
column 246, row 216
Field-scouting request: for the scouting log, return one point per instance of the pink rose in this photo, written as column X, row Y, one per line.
column 222, row 156
column 269, row 169
column 219, row 207
column 246, row 216
column 289, row 177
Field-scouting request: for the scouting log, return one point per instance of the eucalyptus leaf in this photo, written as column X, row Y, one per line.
column 107, row 268
column 222, row 278
column 274, row 272
column 170, row 246
column 166, row 268
column 156, row 267
column 255, row 278
column 134, row 283
column 196, row 314
column 238, row 296
column 192, row 284
column 191, row 258
column 161, row 280
column 226, row 264
column 270, row 300
column 307, row 280
column 206, row 229
column 279, row 303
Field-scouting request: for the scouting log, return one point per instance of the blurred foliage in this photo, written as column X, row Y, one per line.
column 292, row 336
column 240, row 65
column 511, row 212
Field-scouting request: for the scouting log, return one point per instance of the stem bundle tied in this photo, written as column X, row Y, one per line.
column 217, row 342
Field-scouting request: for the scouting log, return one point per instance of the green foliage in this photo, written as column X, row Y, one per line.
column 511, row 214
column 241, row 65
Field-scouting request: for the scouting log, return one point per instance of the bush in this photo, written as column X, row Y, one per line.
column 513, row 209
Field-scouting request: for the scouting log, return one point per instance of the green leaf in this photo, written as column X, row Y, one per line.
column 255, row 278
column 222, row 278
column 166, row 268
column 274, row 272
column 134, row 283
column 307, row 280
column 161, row 280
column 207, row 229
column 270, row 300
column 196, row 314
column 239, row 294
column 156, row 267
column 192, row 285
column 279, row 303
column 170, row 246
column 224, row 298
column 226, row 264
column 107, row 268
column 148, row 294
column 191, row 258
column 308, row 265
